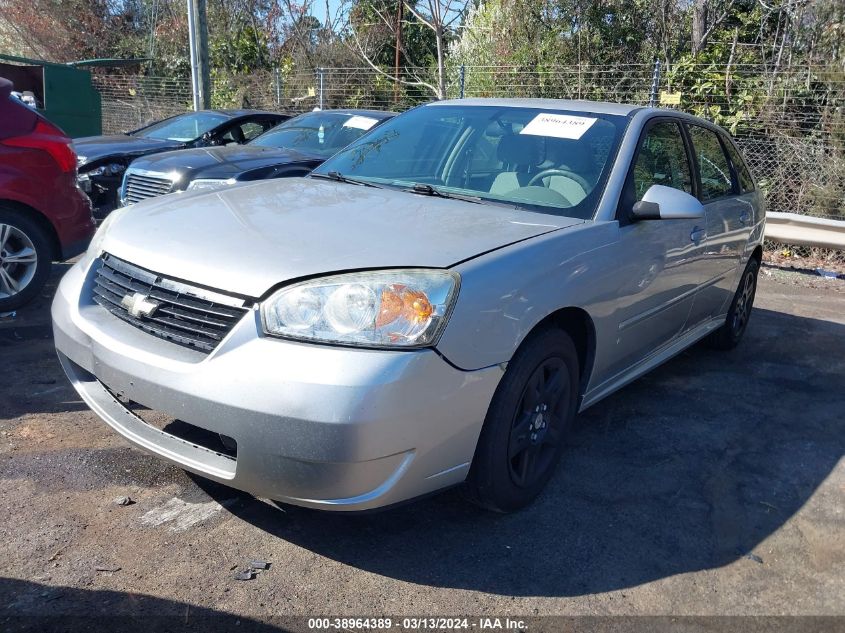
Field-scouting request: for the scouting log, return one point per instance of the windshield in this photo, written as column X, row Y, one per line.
column 183, row 128
column 543, row 160
column 318, row 133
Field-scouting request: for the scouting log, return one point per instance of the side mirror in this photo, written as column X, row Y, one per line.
column 666, row 203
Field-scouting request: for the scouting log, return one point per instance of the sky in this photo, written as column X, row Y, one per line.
column 318, row 9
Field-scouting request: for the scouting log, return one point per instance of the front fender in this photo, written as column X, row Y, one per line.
column 506, row 293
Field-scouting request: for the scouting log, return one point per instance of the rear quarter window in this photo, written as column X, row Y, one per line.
column 746, row 181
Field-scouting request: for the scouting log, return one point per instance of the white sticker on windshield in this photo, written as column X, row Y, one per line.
column 360, row 122
column 558, row 125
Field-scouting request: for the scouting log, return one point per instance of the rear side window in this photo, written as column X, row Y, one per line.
column 713, row 166
column 746, row 182
column 662, row 160
column 251, row 129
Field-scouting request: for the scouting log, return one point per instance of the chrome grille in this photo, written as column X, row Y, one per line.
column 185, row 315
column 140, row 186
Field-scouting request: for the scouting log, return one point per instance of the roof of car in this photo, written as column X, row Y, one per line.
column 231, row 112
column 598, row 107
column 379, row 114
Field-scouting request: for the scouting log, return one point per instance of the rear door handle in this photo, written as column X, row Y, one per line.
column 697, row 235
column 745, row 217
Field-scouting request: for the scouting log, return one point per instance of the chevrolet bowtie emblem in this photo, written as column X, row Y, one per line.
column 139, row 305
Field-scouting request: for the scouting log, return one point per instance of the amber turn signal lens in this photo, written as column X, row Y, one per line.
column 398, row 301
column 417, row 306
column 391, row 305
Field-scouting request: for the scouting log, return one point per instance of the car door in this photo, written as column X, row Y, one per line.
column 659, row 261
column 730, row 216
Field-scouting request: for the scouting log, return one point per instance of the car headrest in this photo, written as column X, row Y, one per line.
column 569, row 154
column 521, row 149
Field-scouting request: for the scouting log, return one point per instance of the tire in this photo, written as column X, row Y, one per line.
column 517, row 427
column 730, row 333
column 25, row 259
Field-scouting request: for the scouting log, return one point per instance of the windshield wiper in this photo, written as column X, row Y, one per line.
column 427, row 190
column 338, row 177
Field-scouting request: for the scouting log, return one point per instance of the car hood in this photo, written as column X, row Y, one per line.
column 248, row 238
column 219, row 162
column 94, row 148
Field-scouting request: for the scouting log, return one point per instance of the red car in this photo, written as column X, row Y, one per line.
column 44, row 216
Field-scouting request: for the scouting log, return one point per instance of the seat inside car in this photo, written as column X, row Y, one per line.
column 525, row 156
column 569, row 156
column 521, row 154
column 235, row 135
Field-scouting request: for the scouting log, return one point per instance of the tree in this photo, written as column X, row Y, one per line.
column 372, row 21
column 707, row 15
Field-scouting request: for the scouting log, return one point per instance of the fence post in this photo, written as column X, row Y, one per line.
column 277, row 80
column 463, row 79
column 192, row 49
column 320, row 95
column 654, row 99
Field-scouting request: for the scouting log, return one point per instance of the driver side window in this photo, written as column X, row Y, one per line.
column 244, row 132
column 662, row 160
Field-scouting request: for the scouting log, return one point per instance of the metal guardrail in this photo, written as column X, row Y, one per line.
column 804, row 230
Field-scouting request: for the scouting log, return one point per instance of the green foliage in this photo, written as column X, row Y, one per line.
column 242, row 51
column 711, row 91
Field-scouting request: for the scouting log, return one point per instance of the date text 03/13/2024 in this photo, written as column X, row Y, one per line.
column 416, row 623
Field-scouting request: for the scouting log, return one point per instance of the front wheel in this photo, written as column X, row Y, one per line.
column 527, row 423
column 730, row 334
column 25, row 260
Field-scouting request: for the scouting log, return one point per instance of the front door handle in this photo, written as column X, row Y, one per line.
column 745, row 217
column 697, row 235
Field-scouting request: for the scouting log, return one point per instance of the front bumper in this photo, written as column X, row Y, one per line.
column 102, row 190
column 318, row 426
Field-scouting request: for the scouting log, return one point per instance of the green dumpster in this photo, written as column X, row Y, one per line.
column 63, row 93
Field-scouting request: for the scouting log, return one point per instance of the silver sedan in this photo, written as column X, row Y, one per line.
column 431, row 307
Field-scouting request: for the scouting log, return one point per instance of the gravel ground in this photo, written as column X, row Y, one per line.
column 712, row 486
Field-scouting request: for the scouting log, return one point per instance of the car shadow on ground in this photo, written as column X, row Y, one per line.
column 67, row 609
column 689, row 468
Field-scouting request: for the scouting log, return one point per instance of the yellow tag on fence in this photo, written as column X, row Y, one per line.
column 670, row 98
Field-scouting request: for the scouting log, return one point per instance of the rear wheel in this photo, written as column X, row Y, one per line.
column 730, row 334
column 527, row 423
column 25, row 260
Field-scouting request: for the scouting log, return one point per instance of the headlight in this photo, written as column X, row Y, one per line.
column 388, row 308
column 112, row 169
column 210, row 183
column 96, row 246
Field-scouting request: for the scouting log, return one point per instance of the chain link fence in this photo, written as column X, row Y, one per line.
column 791, row 126
column 130, row 101
column 798, row 174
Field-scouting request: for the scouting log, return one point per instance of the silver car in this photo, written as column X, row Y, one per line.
column 432, row 307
